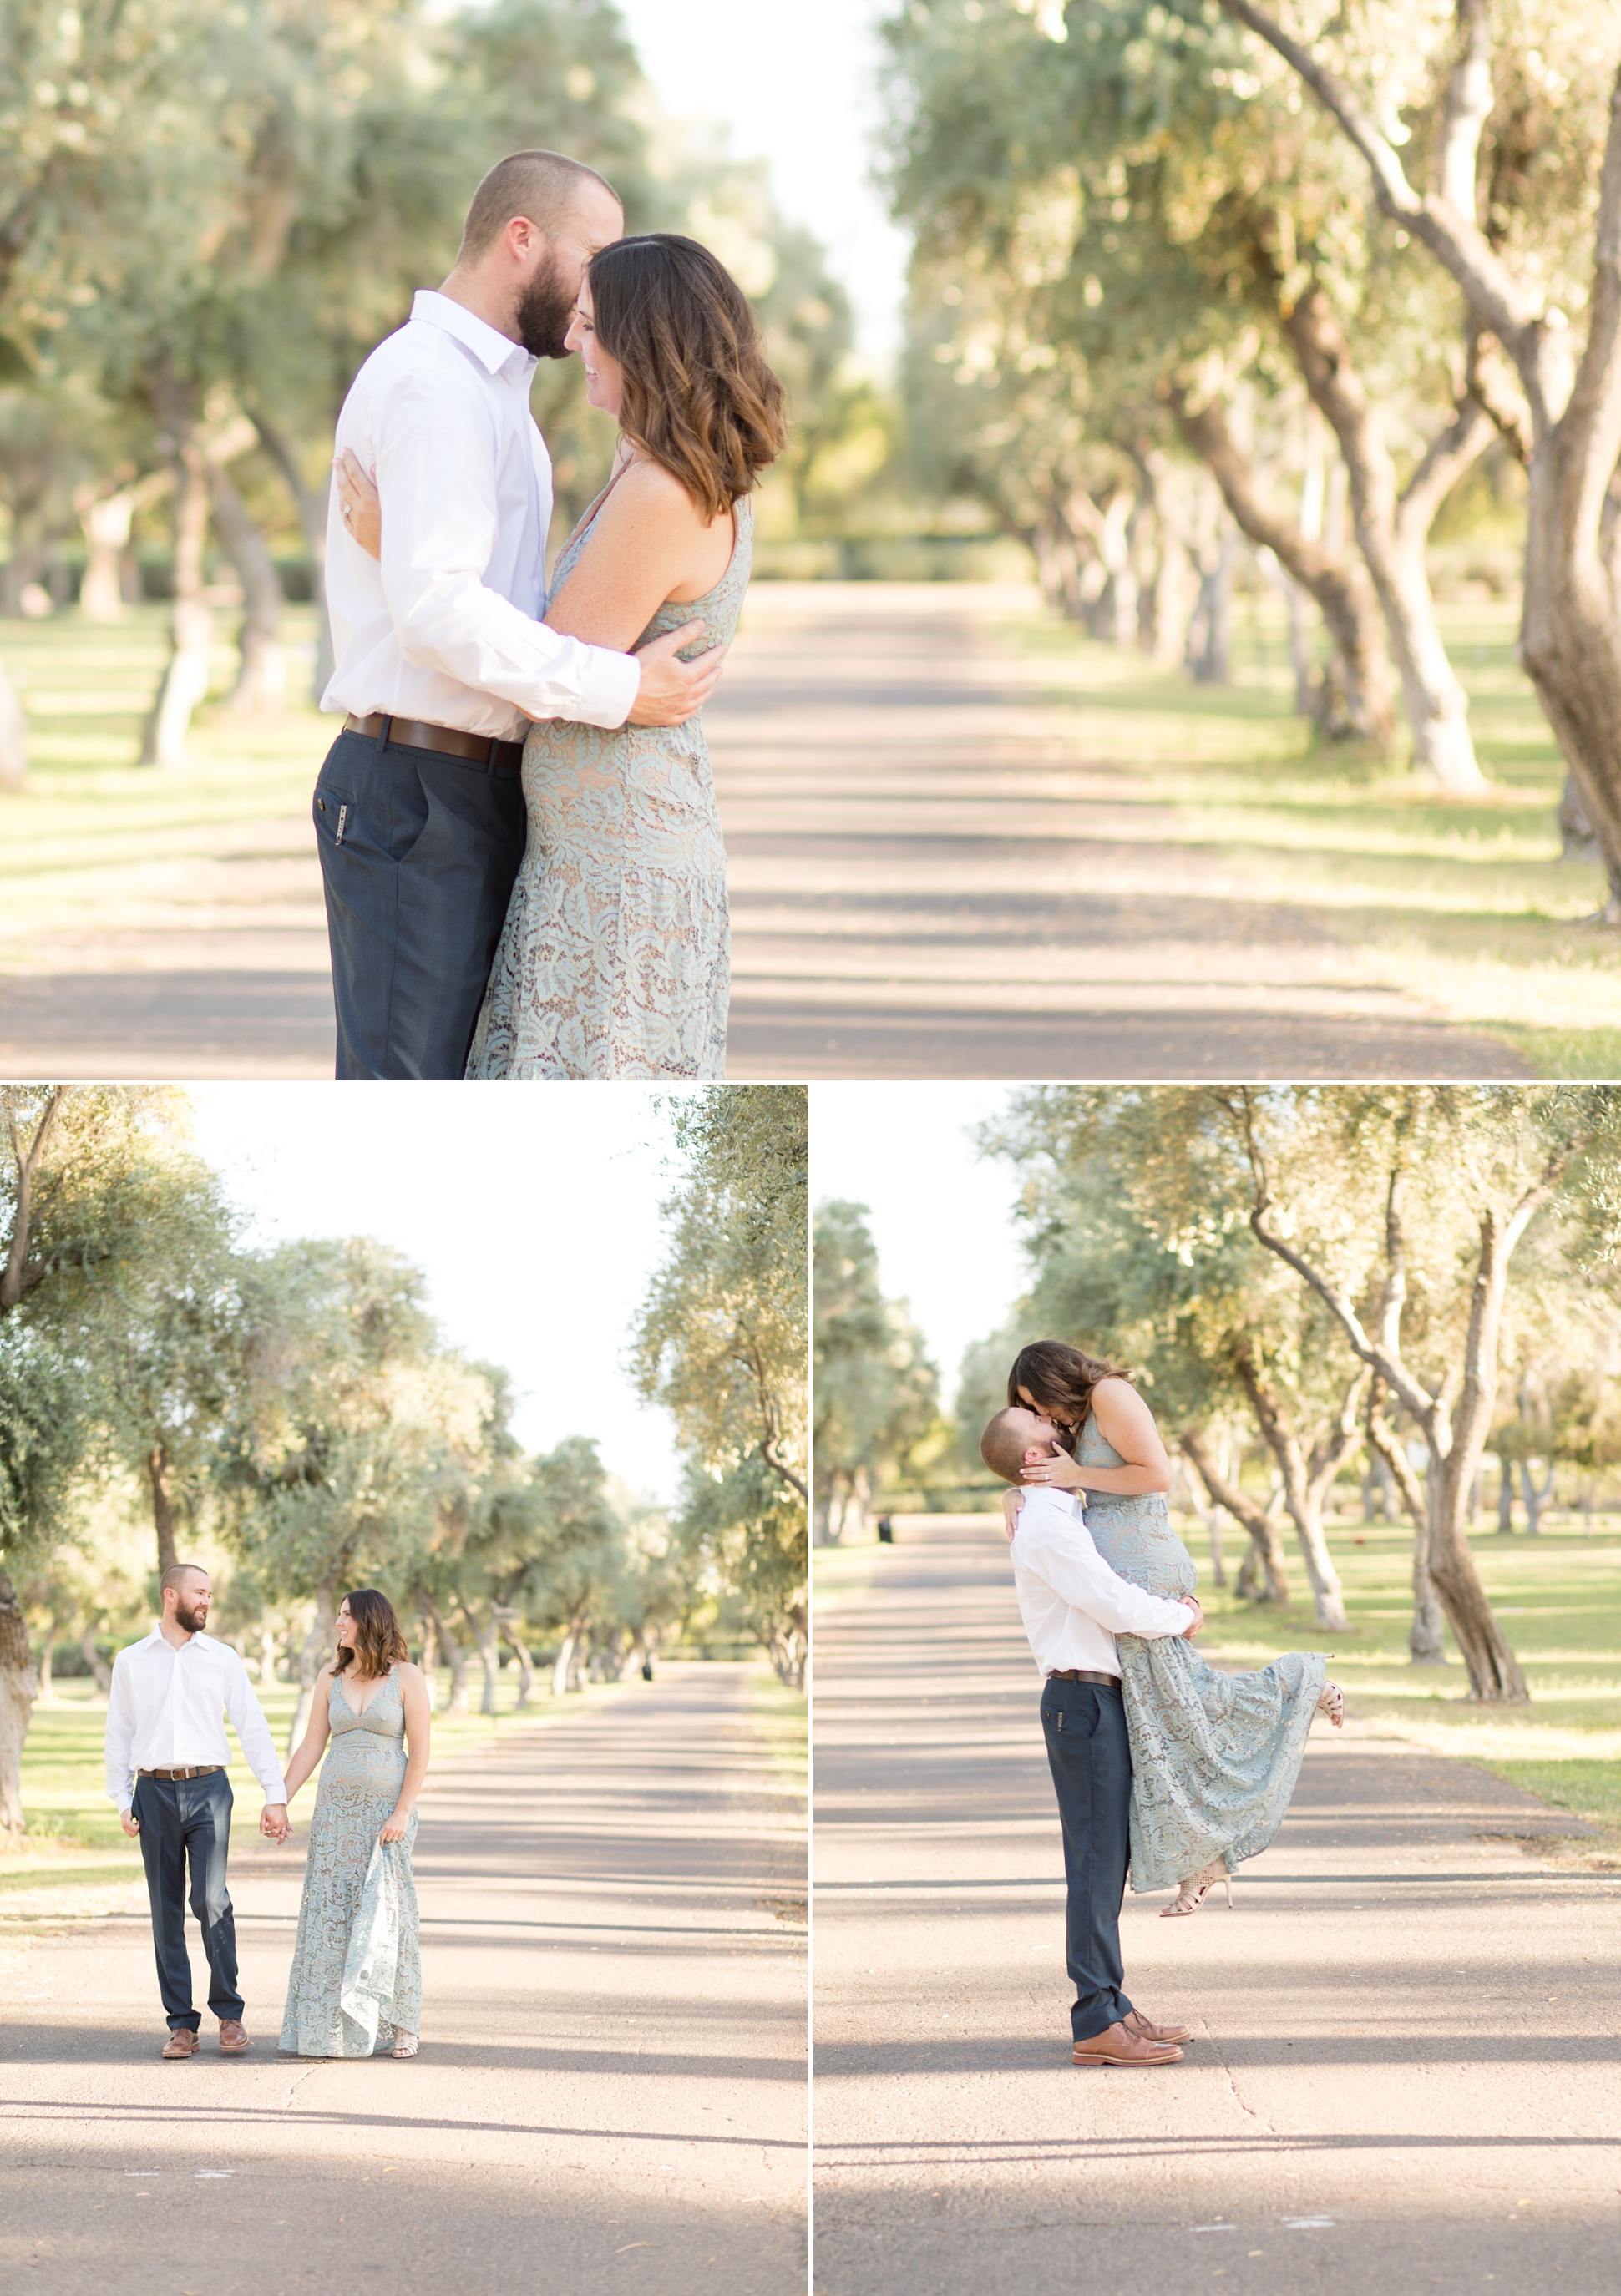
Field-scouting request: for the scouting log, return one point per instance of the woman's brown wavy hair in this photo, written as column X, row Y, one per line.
column 379, row 1643
column 1061, row 1378
column 698, row 396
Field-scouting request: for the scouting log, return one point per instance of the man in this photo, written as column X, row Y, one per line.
column 166, row 1753
column 1073, row 1606
column 442, row 660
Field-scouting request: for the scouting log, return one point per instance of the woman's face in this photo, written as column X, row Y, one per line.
column 347, row 1629
column 605, row 377
column 1046, row 1411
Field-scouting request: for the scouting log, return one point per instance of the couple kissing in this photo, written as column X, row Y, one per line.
column 1162, row 1764
column 517, row 827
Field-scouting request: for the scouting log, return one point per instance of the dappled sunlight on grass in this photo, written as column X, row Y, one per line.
column 1467, row 904
column 1558, row 1598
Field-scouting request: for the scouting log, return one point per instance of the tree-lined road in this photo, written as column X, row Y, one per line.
column 931, row 875
column 1406, row 2060
column 610, row 2093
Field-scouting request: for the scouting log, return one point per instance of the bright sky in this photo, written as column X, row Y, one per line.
column 797, row 85
column 532, row 1210
column 941, row 1215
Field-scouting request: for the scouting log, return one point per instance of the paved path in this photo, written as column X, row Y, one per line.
column 931, row 876
column 611, row 2092
column 1405, row 2074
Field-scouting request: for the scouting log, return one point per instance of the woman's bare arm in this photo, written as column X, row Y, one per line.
column 413, row 1698
column 650, row 544
column 1124, row 1420
column 314, row 1735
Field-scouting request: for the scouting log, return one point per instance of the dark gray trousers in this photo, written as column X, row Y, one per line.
column 1089, row 1757
column 187, row 1821
column 419, row 852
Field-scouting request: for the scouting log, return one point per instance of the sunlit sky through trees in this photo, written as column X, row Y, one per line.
column 941, row 1214
column 798, row 85
column 534, row 1216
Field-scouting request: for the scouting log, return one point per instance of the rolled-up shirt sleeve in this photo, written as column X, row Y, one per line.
column 119, row 1739
column 1074, row 1568
column 248, row 1721
column 435, row 479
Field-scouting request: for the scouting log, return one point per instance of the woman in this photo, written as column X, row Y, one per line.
column 615, row 961
column 356, row 1986
column 1214, row 1756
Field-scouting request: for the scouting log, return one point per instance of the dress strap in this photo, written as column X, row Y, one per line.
column 590, row 513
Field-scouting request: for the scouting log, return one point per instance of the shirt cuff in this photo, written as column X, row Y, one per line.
column 609, row 687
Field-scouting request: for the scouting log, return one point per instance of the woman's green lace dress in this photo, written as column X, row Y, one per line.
column 357, row 1974
column 1214, row 1756
column 615, row 958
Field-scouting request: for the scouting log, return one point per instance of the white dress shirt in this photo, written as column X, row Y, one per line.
column 1072, row 1603
column 167, row 1711
column 447, row 627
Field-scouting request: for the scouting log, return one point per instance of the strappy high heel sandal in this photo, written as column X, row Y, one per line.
column 1190, row 1894
column 405, row 2046
column 1331, row 1705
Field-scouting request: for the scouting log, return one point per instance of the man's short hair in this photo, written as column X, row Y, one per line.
column 1004, row 1443
column 543, row 185
column 176, row 1571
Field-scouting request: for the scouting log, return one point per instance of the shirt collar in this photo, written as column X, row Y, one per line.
column 489, row 346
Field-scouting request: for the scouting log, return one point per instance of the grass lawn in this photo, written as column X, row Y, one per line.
column 1466, row 903
column 87, row 807
column 784, row 1716
column 1558, row 1599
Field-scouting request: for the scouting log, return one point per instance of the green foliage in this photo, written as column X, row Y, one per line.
column 722, row 1343
column 876, row 1393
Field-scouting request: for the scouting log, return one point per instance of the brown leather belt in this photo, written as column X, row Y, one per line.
column 202, row 1770
column 449, row 740
column 1083, row 1674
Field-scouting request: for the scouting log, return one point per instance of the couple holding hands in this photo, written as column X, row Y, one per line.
column 1161, row 1763
column 355, row 1990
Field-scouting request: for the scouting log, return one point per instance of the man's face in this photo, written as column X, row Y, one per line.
column 192, row 1596
column 546, row 301
column 1040, row 1433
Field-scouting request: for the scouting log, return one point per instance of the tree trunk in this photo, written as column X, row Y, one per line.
column 1341, row 587
column 261, row 678
column 1306, row 1483
column 562, row 1666
column 1505, row 1495
column 186, row 681
column 526, row 1664
column 312, row 1656
column 90, row 1652
column 489, row 1642
column 266, row 1658
column 1536, row 1500
column 106, row 520
column 311, row 504
column 163, row 1505
column 1264, row 1562
column 1426, row 1635
column 454, row 1658
column 1392, row 532
column 1570, row 432
column 18, row 1684
column 13, row 736
column 44, row 1676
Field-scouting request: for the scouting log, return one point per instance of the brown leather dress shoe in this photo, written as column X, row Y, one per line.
column 232, row 2039
column 1117, row 2045
column 182, row 2043
column 1148, row 2031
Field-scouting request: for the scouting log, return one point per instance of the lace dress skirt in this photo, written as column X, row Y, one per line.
column 356, row 1980
column 1215, row 1757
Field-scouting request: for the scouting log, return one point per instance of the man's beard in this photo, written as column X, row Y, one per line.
column 545, row 312
column 189, row 1621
